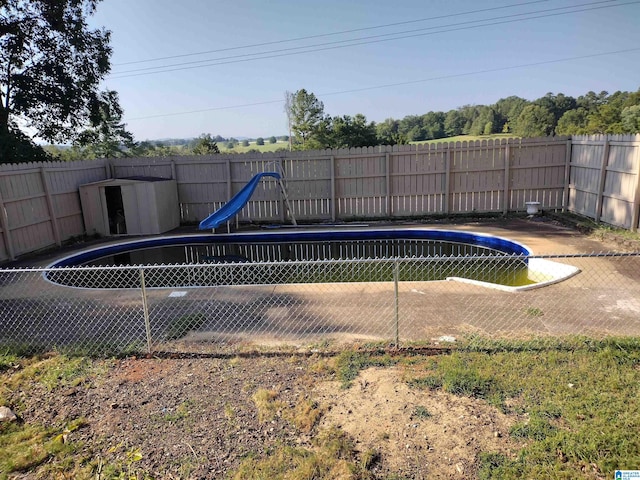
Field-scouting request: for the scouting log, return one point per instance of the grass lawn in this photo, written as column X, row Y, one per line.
column 574, row 410
column 272, row 147
column 581, row 407
column 468, row 138
column 267, row 147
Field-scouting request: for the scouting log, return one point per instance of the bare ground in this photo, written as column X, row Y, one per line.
column 383, row 414
column 195, row 418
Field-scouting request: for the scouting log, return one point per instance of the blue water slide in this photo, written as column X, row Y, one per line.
column 233, row 206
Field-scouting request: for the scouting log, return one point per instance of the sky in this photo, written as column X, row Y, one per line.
column 222, row 67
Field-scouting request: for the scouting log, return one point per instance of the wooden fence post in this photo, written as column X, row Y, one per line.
column 107, row 169
column 4, row 222
column 447, row 180
column 174, row 176
column 388, row 185
column 602, row 179
column 333, row 188
column 567, row 177
column 229, row 186
column 52, row 213
column 507, row 179
column 636, row 198
column 281, row 203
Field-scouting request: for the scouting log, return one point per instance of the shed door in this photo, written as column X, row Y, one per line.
column 115, row 210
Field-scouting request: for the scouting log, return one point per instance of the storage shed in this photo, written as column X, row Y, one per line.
column 130, row 206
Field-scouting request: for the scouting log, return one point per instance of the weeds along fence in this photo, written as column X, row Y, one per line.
column 594, row 176
column 213, row 308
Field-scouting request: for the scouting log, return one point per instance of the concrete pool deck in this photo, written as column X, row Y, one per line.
column 541, row 234
column 604, row 299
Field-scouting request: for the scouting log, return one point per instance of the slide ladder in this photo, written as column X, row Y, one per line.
column 240, row 199
column 286, row 200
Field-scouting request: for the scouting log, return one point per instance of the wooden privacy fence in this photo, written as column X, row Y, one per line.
column 372, row 182
column 604, row 181
column 40, row 204
column 594, row 176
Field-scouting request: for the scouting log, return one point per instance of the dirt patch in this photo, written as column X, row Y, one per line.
column 418, row 433
column 196, row 418
column 187, row 419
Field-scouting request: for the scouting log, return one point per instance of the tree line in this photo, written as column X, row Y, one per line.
column 52, row 64
column 205, row 144
column 552, row 114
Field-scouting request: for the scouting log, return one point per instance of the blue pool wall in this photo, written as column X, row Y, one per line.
column 504, row 245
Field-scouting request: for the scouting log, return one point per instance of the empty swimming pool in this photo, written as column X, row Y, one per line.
column 304, row 256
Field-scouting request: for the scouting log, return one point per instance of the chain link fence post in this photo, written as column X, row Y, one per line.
column 396, row 279
column 145, row 309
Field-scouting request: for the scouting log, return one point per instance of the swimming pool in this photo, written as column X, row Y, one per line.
column 305, row 256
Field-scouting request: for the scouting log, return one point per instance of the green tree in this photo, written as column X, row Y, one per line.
column 273, row 139
column 453, row 123
column 607, row 119
column 64, row 153
column 534, row 121
column 573, row 122
column 259, row 141
column 469, row 113
column 144, row 149
column 388, row 133
column 16, row 147
column 433, row 125
column 288, row 110
column 162, row 150
column 608, row 116
column 51, row 65
column 508, row 110
column 591, row 101
column 630, row 118
column 305, row 114
column 107, row 136
column 245, row 143
column 485, row 123
column 557, row 104
column 347, row 132
column 410, row 127
column 205, row 145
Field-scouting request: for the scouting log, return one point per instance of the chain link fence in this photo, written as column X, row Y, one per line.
column 213, row 308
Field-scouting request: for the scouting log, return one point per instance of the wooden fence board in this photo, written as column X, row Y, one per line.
column 4, row 252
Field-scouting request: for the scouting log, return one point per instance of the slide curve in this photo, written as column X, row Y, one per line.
column 233, row 206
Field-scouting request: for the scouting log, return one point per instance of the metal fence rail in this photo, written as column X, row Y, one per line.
column 207, row 308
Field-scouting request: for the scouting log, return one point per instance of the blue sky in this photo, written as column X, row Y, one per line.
column 436, row 68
